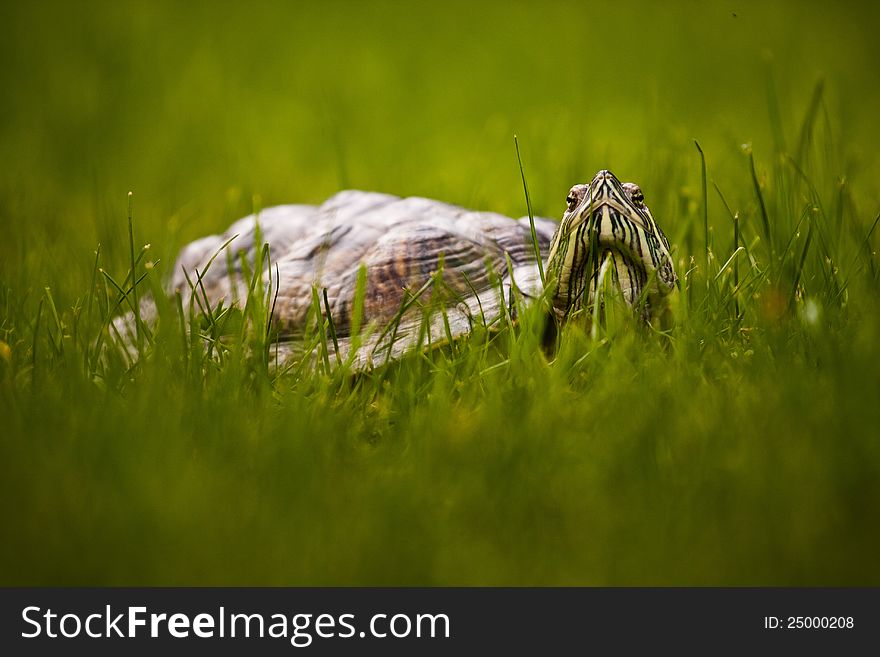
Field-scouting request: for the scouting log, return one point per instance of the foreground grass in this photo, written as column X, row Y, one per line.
column 638, row 464
column 738, row 446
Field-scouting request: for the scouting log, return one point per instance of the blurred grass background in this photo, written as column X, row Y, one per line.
column 744, row 455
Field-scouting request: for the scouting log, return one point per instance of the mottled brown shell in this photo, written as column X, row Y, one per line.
column 402, row 242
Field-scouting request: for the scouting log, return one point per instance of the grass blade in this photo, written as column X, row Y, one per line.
column 535, row 243
column 319, row 319
column 765, row 220
column 137, row 309
column 331, row 326
column 705, row 208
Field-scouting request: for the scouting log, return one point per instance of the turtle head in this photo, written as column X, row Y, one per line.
column 607, row 230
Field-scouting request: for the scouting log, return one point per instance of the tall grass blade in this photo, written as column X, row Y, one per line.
column 136, row 305
column 535, row 244
column 357, row 310
column 322, row 334
column 765, row 219
column 800, row 267
column 331, row 326
column 705, row 209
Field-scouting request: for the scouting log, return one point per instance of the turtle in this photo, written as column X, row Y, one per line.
column 433, row 270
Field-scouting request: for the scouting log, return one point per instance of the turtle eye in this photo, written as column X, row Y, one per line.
column 637, row 197
column 572, row 200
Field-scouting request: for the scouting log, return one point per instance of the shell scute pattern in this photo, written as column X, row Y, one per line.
column 401, row 241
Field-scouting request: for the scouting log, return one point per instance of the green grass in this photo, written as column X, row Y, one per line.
column 737, row 446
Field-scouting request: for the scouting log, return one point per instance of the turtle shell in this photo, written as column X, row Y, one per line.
column 420, row 255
